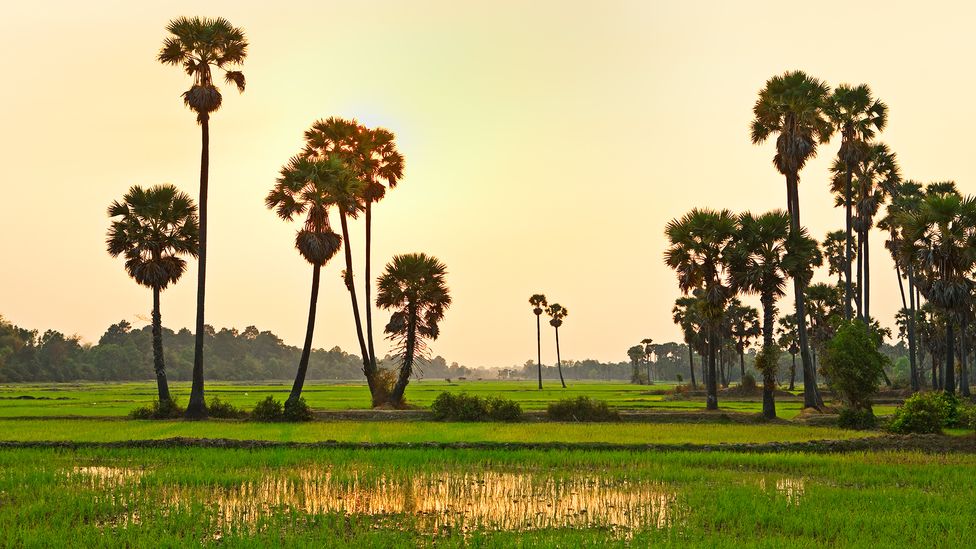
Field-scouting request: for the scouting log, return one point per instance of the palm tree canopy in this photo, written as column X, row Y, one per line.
column 538, row 302
column 701, row 249
column 556, row 313
column 310, row 187
column 687, row 314
column 857, row 115
column 199, row 44
column 414, row 284
column 151, row 229
column 833, row 249
column 371, row 153
column 757, row 258
column 792, row 106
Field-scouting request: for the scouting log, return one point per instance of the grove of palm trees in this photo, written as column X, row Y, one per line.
column 734, row 373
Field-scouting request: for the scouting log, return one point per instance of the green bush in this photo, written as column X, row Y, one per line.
column 581, row 408
column 853, row 365
column 853, row 418
column 168, row 409
column 923, row 413
column 297, row 410
column 464, row 407
column 268, row 409
column 967, row 416
column 221, row 409
column 748, row 381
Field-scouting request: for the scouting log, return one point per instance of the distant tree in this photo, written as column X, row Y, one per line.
column 414, row 287
column 744, row 327
column 556, row 314
column 199, row 45
column 792, row 106
column 308, row 188
column 648, row 345
column 833, row 251
column 538, row 302
column 787, row 341
column 152, row 228
column 635, row 354
column 687, row 315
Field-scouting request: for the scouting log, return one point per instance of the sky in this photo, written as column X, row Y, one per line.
column 547, row 144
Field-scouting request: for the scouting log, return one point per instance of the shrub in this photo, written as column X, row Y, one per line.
column 268, row 409
column 464, row 407
column 748, row 381
column 853, row 418
column 224, row 410
column 853, row 365
column 967, row 416
column 922, row 413
column 297, row 410
column 581, row 408
column 168, row 409
column 384, row 382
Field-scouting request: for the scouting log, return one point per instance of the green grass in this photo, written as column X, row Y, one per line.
column 95, row 430
column 118, row 399
column 236, row 498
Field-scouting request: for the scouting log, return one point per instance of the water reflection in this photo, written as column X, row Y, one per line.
column 441, row 502
column 789, row 487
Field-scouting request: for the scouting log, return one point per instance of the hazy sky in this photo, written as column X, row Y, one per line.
column 546, row 144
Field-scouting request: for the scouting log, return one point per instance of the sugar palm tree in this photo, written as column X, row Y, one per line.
column 635, row 354
column 538, row 302
column 152, row 228
column 834, row 253
column 944, row 233
column 648, row 345
column 308, row 188
column 685, row 314
column 792, row 106
column 857, row 115
column 786, row 339
column 200, row 45
column 413, row 286
column 744, row 327
column 556, row 314
column 700, row 249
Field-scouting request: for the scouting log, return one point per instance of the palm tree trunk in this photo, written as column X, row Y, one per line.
column 538, row 348
column 859, row 294
column 406, row 369
column 963, row 359
column 811, row 397
column 950, row 366
column 901, row 286
column 912, row 351
column 711, row 387
column 197, row 407
column 296, row 388
column 369, row 287
column 742, row 366
column 691, row 366
column 793, row 374
column 559, row 360
column 368, row 369
column 848, row 245
column 867, row 275
column 649, row 381
column 769, row 380
column 157, row 344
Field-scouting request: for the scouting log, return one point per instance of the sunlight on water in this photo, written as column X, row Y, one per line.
column 441, row 502
column 791, row 488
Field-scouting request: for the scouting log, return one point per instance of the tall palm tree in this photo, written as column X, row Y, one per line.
column 834, row 253
column 700, row 250
column 152, row 228
column 414, row 287
column 786, row 339
column 857, row 115
column 308, row 187
column 686, row 315
column 538, row 302
column 200, row 45
column 792, row 107
column 944, row 233
column 876, row 176
column 635, row 354
column 648, row 345
column 556, row 314
column 744, row 327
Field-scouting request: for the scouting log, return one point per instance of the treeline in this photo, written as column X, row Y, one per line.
column 125, row 354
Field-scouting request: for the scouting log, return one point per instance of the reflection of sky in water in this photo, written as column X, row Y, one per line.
column 487, row 500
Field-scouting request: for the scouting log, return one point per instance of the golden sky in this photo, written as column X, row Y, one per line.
column 547, row 143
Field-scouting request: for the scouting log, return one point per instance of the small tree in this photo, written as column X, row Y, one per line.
column 853, row 363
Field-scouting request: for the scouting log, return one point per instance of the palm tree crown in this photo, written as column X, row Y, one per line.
column 792, row 106
column 414, row 286
column 538, row 302
column 198, row 45
column 556, row 314
column 154, row 227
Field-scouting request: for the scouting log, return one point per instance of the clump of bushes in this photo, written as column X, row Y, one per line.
column 854, row 367
column 853, row 418
column 925, row 413
column 167, row 409
column 221, row 409
column 749, row 381
column 270, row 409
column 464, row 407
column 581, row 408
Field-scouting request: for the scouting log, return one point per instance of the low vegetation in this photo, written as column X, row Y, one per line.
column 465, row 407
column 581, row 408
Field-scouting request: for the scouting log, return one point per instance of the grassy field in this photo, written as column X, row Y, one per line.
column 94, row 430
column 483, row 498
column 117, row 399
